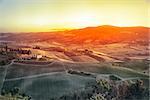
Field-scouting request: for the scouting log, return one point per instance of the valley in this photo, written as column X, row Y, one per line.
column 47, row 66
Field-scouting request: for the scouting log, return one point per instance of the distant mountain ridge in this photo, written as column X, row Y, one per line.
column 100, row 34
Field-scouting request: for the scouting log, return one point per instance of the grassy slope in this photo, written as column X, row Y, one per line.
column 106, row 68
column 17, row 70
column 137, row 65
column 45, row 87
column 2, row 75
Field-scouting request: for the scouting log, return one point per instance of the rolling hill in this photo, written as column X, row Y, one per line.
column 102, row 34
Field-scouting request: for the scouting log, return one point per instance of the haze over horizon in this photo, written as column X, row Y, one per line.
column 50, row 15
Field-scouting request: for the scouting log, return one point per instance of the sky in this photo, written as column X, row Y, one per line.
column 50, row 15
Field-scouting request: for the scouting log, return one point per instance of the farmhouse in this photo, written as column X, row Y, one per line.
column 30, row 57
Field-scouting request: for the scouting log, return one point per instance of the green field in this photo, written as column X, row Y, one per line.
column 136, row 65
column 55, row 85
column 106, row 68
column 2, row 76
column 2, row 70
column 21, row 70
column 46, row 87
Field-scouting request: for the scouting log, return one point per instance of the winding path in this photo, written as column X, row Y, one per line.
column 66, row 67
column 32, row 76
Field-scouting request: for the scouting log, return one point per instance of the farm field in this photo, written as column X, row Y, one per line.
column 2, row 76
column 52, row 80
column 21, row 70
column 139, row 65
column 106, row 68
column 52, row 86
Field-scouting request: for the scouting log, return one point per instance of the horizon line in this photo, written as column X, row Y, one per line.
column 69, row 29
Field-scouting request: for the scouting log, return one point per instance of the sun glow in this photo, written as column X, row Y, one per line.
column 84, row 20
column 41, row 21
